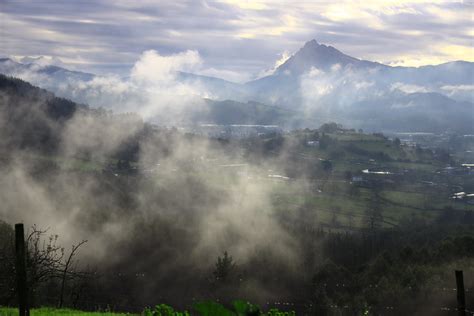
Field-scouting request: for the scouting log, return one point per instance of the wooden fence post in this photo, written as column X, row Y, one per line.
column 20, row 267
column 460, row 293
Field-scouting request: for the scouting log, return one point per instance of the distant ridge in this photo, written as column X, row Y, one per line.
column 317, row 80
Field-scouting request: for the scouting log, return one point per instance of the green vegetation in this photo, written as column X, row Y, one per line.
column 314, row 220
column 45, row 311
column 208, row 308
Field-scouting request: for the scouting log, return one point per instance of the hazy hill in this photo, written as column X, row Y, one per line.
column 233, row 112
column 31, row 118
column 319, row 60
column 325, row 82
column 417, row 112
column 29, row 67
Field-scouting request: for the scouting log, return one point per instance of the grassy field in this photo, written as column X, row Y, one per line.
column 340, row 201
column 7, row 311
column 207, row 308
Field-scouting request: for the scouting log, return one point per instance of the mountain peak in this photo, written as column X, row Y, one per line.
column 320, row 56
column 310, row 44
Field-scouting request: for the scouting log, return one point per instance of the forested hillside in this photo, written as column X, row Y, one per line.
column 317, row 219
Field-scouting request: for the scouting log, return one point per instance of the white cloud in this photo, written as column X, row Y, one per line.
column 467, row 87
column 335, row 67
column 403, row 105
column 153, row 67
column 361, row 85
column 284, row 57
column 408, row 88
column 152, row 88
column 280, row 61
column 228, row 75
column 463, row 92
column 314, row 72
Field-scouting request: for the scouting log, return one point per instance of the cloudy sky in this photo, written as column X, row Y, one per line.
column 232, row 39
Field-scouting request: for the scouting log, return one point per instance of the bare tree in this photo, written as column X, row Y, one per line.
column 46, row 261
column 44, row 257
column 67, row 271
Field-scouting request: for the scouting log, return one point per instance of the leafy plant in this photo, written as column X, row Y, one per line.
column 163, row 310
column 209, row 308
column 276, row 312
column 240, row 308
column 243, row 308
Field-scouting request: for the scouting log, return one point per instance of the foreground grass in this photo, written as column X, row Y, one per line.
column 206, row 308
column 45, row 311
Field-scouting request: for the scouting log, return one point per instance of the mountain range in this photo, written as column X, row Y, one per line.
column 318, row 82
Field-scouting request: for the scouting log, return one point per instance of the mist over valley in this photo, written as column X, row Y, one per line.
column 157, row 172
